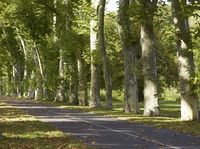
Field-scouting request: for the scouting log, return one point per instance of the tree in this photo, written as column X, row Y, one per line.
column 60, row 95
column 94, row 86
column 189, row 98
column 102, row 48
column 83, row 96
column 129, row 51
column 148, row 43
column 81, row 27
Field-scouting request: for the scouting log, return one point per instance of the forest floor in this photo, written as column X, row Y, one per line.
column 97, row 131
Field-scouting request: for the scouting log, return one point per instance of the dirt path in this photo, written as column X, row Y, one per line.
column 107, row 133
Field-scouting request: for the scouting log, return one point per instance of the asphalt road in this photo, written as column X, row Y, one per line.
column 105, row 132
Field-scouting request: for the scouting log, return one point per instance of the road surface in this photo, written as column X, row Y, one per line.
column 107, row 133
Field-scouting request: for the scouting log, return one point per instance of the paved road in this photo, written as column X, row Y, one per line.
column 107, row 133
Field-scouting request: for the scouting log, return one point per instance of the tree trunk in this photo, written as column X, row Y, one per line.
column 102, row 48
column 83, row 96
column 25, row 73
column 94, row 86
column 15, row 75
column 60, row 90
column 60, row 95
column 40, row 88
column 31, row 89
column 14, row 80
column 74, row 84
column 130, row 81
column 151, row 105
column 189, row 98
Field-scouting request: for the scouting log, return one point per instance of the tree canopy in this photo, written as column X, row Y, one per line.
column 72, row 51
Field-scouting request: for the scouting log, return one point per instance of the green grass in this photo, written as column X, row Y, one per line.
column 169, row 117
column 21, row 131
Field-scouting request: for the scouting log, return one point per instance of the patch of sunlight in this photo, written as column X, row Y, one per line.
column 124, row 118
column 19, row 119
column 119, row 109
column 35, row 134
column 2, row 103
column 175, row 20
column 183, row 66
column 2, row 106
column 154, row 119
column 75, row 107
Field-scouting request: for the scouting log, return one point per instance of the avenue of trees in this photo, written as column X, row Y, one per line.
column 73, row 50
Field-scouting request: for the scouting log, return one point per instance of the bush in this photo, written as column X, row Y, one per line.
column 170, row 94
column 118, row 95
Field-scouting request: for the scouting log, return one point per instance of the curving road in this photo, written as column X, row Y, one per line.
column 105, row 132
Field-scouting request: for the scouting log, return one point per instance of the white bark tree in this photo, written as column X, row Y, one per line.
column 189, row 98
column 148, row 44
column 83, row 96
column 94, row 84
column 60, row 89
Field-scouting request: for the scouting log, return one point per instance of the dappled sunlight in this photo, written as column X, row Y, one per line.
column 114, row 74
column 20, row 130
column 18, row 119
column 76, row 107
column 94, row 125
column 183, row 68
column 35, row 134
column 169, row 116
column 35, row 107
column 8, row 113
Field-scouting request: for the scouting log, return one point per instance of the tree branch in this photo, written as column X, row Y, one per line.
column 52, row 9
column 154, row 3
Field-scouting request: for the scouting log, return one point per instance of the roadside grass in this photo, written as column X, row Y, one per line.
column 169, row 116
column 20, row 131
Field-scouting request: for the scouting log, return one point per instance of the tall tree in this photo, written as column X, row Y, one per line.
column 148, row 43
column 94, row 86
column 83, row 96
column 189, row 98
column 129, row 51
column 73, row 86
column 40, row 88
column 60, row 95
column 102, row 48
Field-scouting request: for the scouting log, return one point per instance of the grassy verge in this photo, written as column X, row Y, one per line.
column 169, row 118
column 20, row 130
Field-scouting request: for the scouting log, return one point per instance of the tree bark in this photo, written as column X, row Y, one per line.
column 83, row 96
column 94, row 85
column 58, row 34
column 189, row 98
column 60, row 90
column 130, row 81
column 40, row 88
column 74, row 84
column 151, row 105
column 25, row 73
column 102, row 48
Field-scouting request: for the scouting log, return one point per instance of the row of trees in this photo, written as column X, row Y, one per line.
column 60, row 49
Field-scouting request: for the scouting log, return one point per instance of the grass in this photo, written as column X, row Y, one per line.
column 169, row 117
column 20, row 131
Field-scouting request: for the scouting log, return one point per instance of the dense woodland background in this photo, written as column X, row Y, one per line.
column 73, row 51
